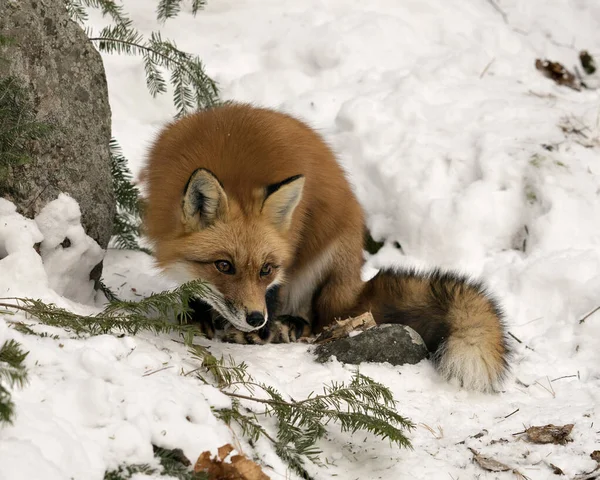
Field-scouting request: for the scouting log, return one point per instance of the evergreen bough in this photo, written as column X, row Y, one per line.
column 153, row 313
column 360, row 405
column 127, row 221
column 12, row 373
column 18, row 127
column 170, row 8
column 192, row 89
column 172, row 462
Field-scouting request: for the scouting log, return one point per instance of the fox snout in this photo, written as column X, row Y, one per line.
column 245, row 318
column 255, row 319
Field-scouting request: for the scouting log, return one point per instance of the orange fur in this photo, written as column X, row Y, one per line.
column 214, row 193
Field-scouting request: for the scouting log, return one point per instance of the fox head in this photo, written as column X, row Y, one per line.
column 239, row 251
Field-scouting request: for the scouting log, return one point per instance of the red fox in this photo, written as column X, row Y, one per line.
column 253, row 202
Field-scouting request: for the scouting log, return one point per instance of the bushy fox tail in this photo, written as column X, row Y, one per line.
column 460, row 323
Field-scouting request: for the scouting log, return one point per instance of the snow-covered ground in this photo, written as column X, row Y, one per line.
column 459, row 149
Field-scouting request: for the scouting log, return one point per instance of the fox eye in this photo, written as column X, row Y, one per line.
column 225, row 267
column 266, row 269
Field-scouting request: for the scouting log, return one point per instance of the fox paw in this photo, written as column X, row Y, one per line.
column 203, row 318
column 284, row 329
column 206, row 327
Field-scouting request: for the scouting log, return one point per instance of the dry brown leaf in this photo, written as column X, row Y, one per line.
column 492, row 465
column 342, row 328
column 247, row 468
column 593, row 475
column 225, row 450
column 556, row 470
column 206, row 464
column 488, row 463
column 595, row 455
column 558, row 73
column 558, row 434
column 238, row 468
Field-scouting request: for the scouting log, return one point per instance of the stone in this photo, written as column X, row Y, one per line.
column 54, row 60
column 394, row 344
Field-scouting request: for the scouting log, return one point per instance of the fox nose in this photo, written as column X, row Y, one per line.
column 255, row 319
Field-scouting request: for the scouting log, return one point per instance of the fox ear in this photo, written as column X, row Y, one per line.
column 281, row 199
column 204, row 200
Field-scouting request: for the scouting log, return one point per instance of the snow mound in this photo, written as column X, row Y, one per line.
column 458, row 149
column 68, row 253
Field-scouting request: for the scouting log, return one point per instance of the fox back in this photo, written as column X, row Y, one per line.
column 246, row 199
column 253, row 202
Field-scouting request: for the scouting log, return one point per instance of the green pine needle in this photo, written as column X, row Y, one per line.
column 154, row 313
column 127, row 221
column 192, row 87
column 12, row 373
column 170, row 8
column 125, row 191
column 77, row 10
column 361, row 405
column 18, row 127
column 125, row 472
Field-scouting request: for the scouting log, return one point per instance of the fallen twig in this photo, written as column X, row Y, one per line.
column 487, row 67
column 156, row 371
column 587, row 315
column 342, row 328
column 520, row 341
column 565, row 376
column 549, row 390
column 557, row 72
column 437, row 435
column 492, row 465
column 512, row 413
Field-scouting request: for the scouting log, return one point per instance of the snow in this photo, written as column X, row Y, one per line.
column 459, row 150
column 68, row 254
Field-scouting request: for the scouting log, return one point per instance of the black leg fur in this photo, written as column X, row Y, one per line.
column 202, row 316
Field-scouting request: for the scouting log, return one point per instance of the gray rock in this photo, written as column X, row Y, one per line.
column 395, row 344
column 57, row 63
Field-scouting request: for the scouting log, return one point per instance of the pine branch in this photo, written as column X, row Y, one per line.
column 127, row 194
column 173, row 464
column 121, row 38
column 126, row 232
column 224, row 375
column 167, row 9
column 247, row 421
column 110, row 8
column 170, row 8
column 363, row 404
column 12, row 373
column 18, row 126
column 122, row 316
column 197, row 5
column 125, row 472
column 127, row 221
column 110, row 295
column 192, row 88
column 76, row 9
column 54, row 316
